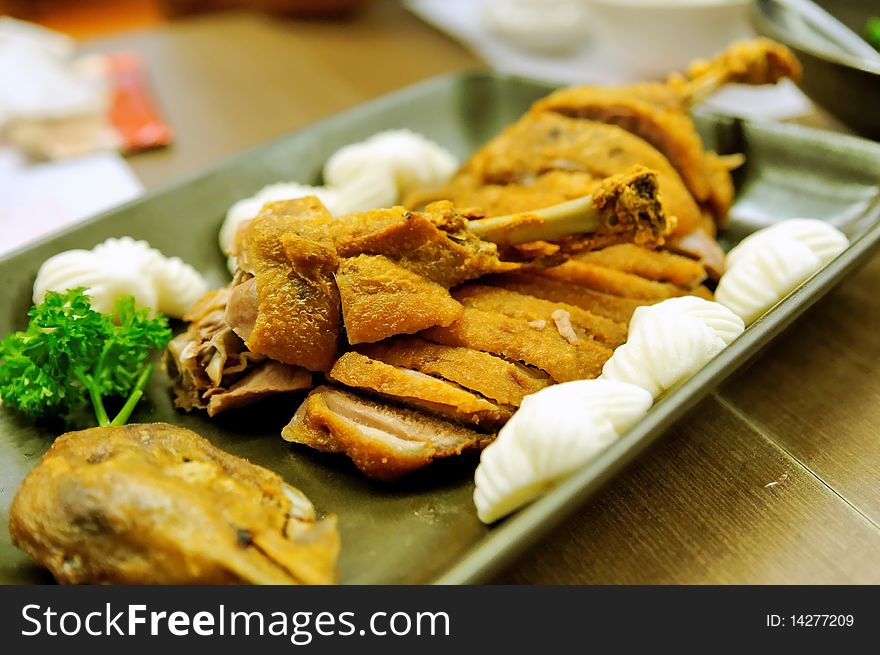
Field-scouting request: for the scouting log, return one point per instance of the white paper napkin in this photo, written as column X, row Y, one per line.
column 37, row 199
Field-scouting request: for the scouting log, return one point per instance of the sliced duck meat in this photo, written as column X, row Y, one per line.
column 611, row 281
column 516, row 339
column 418, row 390
column 657, row 265
column 616, row 308
column 584, row 323
column 269, row 378
column 384, row 442
column 498, row 379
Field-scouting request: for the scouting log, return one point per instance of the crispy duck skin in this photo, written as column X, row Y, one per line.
column 288, row 251
column 658, row 112
column 611, row 281
column 384, row 442
column 503, row 381
column 668, row 129
column 418, row 390
column 514, row 338
column 381, row 299
column 435, row 244
column 158, row 504
column 657, row 265
column 616, row 308
column 536, row 310
column 541, row 143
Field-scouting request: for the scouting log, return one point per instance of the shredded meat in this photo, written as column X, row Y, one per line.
column 212, row 368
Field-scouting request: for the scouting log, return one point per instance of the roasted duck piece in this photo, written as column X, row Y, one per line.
column 381, row 298
column 558, row 352
column 212, row 368
column 288, row 251
column 418, row 390
column 616, row 308
column 658, row 114
column 497, row 379
column 158, row 504
column 575, row 137
column 656, row 265
column 541, row 313
column 587, row 151
column 609, row 280
column 303, row 277
column 383, row 441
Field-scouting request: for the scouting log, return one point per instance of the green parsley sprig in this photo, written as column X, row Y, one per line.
column 71, row 356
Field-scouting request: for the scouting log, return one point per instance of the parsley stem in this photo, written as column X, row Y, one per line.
column 122, row 417
column 95, row 397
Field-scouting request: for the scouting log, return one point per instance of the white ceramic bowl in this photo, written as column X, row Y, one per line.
column 651, row 38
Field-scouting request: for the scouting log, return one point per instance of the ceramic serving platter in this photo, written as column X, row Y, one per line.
column 424, row 529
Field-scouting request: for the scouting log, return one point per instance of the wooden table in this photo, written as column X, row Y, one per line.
column 774, row 478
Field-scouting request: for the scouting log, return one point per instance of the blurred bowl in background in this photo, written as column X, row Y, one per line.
column 550, row 27
column 845, row 84
column 651, row 38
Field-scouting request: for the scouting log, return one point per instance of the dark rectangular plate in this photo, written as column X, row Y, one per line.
column 425, row 529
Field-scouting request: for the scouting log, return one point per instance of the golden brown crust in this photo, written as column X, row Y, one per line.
column 381, row 299
column 155, row 503
column 614, row 307
column 286, row 249
column 434, row 244
column 611, row 281
column 534, row 310
column 545, row 143
column 656, row 265
column 418, row 390
column 540, row 346
column 496, row 378
column 666, row 126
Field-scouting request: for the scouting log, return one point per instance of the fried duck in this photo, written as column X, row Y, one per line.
column 303, row 278
column 575, row 137
column 385, row 442
column 530, row 281
column 158, row 504
column 212, row 368
column 503, row 381
column 419, row 390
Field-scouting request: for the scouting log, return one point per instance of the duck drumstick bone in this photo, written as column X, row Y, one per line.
column 623, row 208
